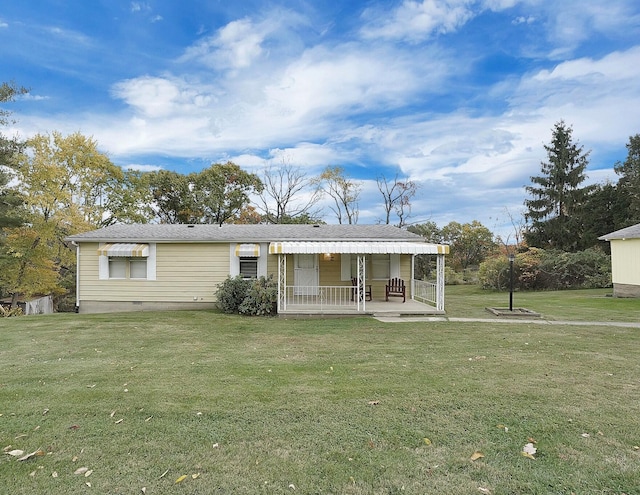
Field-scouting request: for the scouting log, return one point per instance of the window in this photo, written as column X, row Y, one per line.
column 248, row 267
column 117, row 268
column 138, row 268
column 122, row 261
column 380, row 267
column 127, row 268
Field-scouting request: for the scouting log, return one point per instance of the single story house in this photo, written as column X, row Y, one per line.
column 625, row 261
column 318, row 268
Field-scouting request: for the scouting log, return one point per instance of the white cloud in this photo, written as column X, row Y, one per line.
column 158, row 97
column 234, row 46
column 239, row 44
column 417, row 20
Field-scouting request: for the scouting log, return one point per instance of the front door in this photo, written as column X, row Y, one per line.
column 305, row 275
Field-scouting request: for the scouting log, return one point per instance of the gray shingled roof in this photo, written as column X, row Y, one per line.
column 632, row 232
column 244, row 233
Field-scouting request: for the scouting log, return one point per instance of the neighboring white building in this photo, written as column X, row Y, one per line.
column 625, row 261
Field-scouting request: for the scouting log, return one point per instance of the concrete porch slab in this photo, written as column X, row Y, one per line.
column 378, row 308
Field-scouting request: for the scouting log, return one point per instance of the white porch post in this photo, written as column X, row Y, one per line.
column 361, row 280
column 282, row 282
column 440, row 282
column 413, row 273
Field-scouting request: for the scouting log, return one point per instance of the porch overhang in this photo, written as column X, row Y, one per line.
column 356, row 247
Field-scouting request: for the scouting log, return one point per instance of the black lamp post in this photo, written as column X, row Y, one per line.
column 512, row 258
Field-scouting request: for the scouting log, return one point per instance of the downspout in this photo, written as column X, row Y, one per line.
column 77, row 308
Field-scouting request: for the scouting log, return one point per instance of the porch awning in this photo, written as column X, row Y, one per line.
column 356, row 247
column 124, row 250
column 248, row 250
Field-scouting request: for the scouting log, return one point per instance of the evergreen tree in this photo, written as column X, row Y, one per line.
column 554, row 210
column 629, row 182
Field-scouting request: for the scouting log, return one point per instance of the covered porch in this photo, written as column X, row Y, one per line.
column 350, row 287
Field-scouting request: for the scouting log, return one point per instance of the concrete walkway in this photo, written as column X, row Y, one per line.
column 540, row 321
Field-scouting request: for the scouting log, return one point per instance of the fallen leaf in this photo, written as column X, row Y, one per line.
column 195, row 476
column 477, row 455
column 91, row 386
column 33, row 454
column 529, row 449
column 22, row 435
column 484, row 490
column 74, row 459
column 148, row 419
column 292, row 486
column 164, row 474
column 143, row 489
column 88, row 484
column 45, row 412
column 119, row 421
column 585, row 435
column 215, row 445
column 374, row 402
column 88, row 473
column 74, row 427
column 15, row 453
column 113, row 413
column 527, row 455
column 427, row 441
column 7, row 448
column 33, row 473
column 181, row 478
column 532, row 440
column 81, row 470
column 54, row 474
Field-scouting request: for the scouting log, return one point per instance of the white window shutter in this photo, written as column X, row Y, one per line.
column 394, row 268
column 262, row 260
column 345, row 266
column 234, row 261
column 151, row 262
column 103, row 267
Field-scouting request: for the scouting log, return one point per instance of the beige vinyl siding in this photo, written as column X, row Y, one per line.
column 185, row 272
column 330, row 271
column 625, row 261
column 272, row 265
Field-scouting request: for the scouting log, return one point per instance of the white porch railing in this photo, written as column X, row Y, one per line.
column 321, row 297
column 425, row 292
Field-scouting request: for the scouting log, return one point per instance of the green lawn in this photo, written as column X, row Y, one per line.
column 341, row 406
column 581, row 305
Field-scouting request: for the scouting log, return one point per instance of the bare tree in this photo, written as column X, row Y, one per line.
column 397, row 197
column 288, row 194
column 516, row 236
column 344, row 192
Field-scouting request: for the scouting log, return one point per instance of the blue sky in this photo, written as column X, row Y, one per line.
column 459, row 95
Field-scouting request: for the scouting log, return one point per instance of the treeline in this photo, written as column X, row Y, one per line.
column 52, row 186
